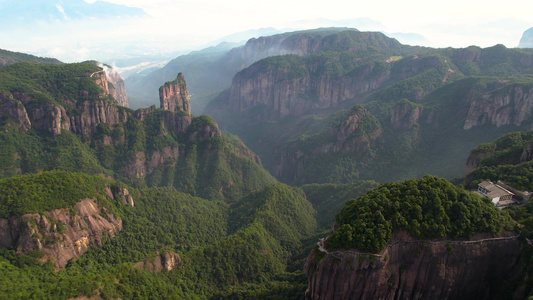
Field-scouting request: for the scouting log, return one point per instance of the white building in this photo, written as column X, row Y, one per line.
column 500, row 196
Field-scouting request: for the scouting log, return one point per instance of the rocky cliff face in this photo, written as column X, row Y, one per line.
column 15, row 110
column 404, row 116
column 474, row 161
column 115, row 84
column 174, row 95
column 510, row 105
column 76, row 115
column 211, row 75
column 271, row 92
column 527, row 153
column 304, row 43
column 165, row 261
column 279, row 97
column 146, row 146
column 117, row 88
column 49, row 118
column 410, row 269
column 82, row 116
column 62, row 234
column 93, row 113
column 356, row 134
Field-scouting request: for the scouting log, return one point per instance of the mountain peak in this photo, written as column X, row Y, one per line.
column 527, row 39
column 174, row 95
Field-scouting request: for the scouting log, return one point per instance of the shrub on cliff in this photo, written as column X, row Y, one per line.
column 427, row 208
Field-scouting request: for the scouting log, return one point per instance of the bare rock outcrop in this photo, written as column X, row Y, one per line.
column 123, row 194
column 60, row 234
column 117, row 88
column 411, row 269
column 527, row 153
column 77, row 115
column 174, row 96
column 281, row 95
column 300, row 87
column 404, row 116
column 510, row 105
column 474, row 161
column 92, row 113
column 15, row 110
column 350, row 137
column 358, row 133
column 165, row 261
column 114, row 84
column 49, row 118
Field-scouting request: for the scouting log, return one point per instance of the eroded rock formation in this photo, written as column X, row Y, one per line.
column 60, row 234
column 411, row 269
column 117, row 88
column 279, row 95
column 165, row 261
column 77, row 115
column 16, row 110
column 404, row 116
column 174, row 95
column 356, row 134
column 511, row 105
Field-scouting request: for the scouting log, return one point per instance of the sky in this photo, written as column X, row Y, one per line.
column 179, row 26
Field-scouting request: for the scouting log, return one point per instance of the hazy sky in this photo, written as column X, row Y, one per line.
column 191, row 24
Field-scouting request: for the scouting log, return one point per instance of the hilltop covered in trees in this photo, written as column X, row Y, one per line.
column 427, row 208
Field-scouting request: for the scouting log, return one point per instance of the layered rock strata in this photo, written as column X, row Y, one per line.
column 60, row 234
column 174, row 95
column 415, row 269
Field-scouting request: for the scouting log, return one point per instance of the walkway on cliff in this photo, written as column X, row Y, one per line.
column 92, row 74
column 340, row 254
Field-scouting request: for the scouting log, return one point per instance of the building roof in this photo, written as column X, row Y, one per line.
column 495, row 190
column 504, row 203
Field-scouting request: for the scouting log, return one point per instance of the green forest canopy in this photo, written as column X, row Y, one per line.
column 429, row 207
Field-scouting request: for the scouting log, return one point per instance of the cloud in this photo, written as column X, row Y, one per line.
column 62, row 11
column 190, row 24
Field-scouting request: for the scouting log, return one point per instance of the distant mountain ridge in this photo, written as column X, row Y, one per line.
column 369, row 107
column 9, row 57
column 210, row 71
column 527, row 39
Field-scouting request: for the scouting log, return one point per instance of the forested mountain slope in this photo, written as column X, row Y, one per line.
column 371, row 108
column 509, row 159
column 102, row 201
column 105, row 239
column 166, row 206
column 210, row 70
column 62, row 117
column 401, row 238
column 10, row 57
